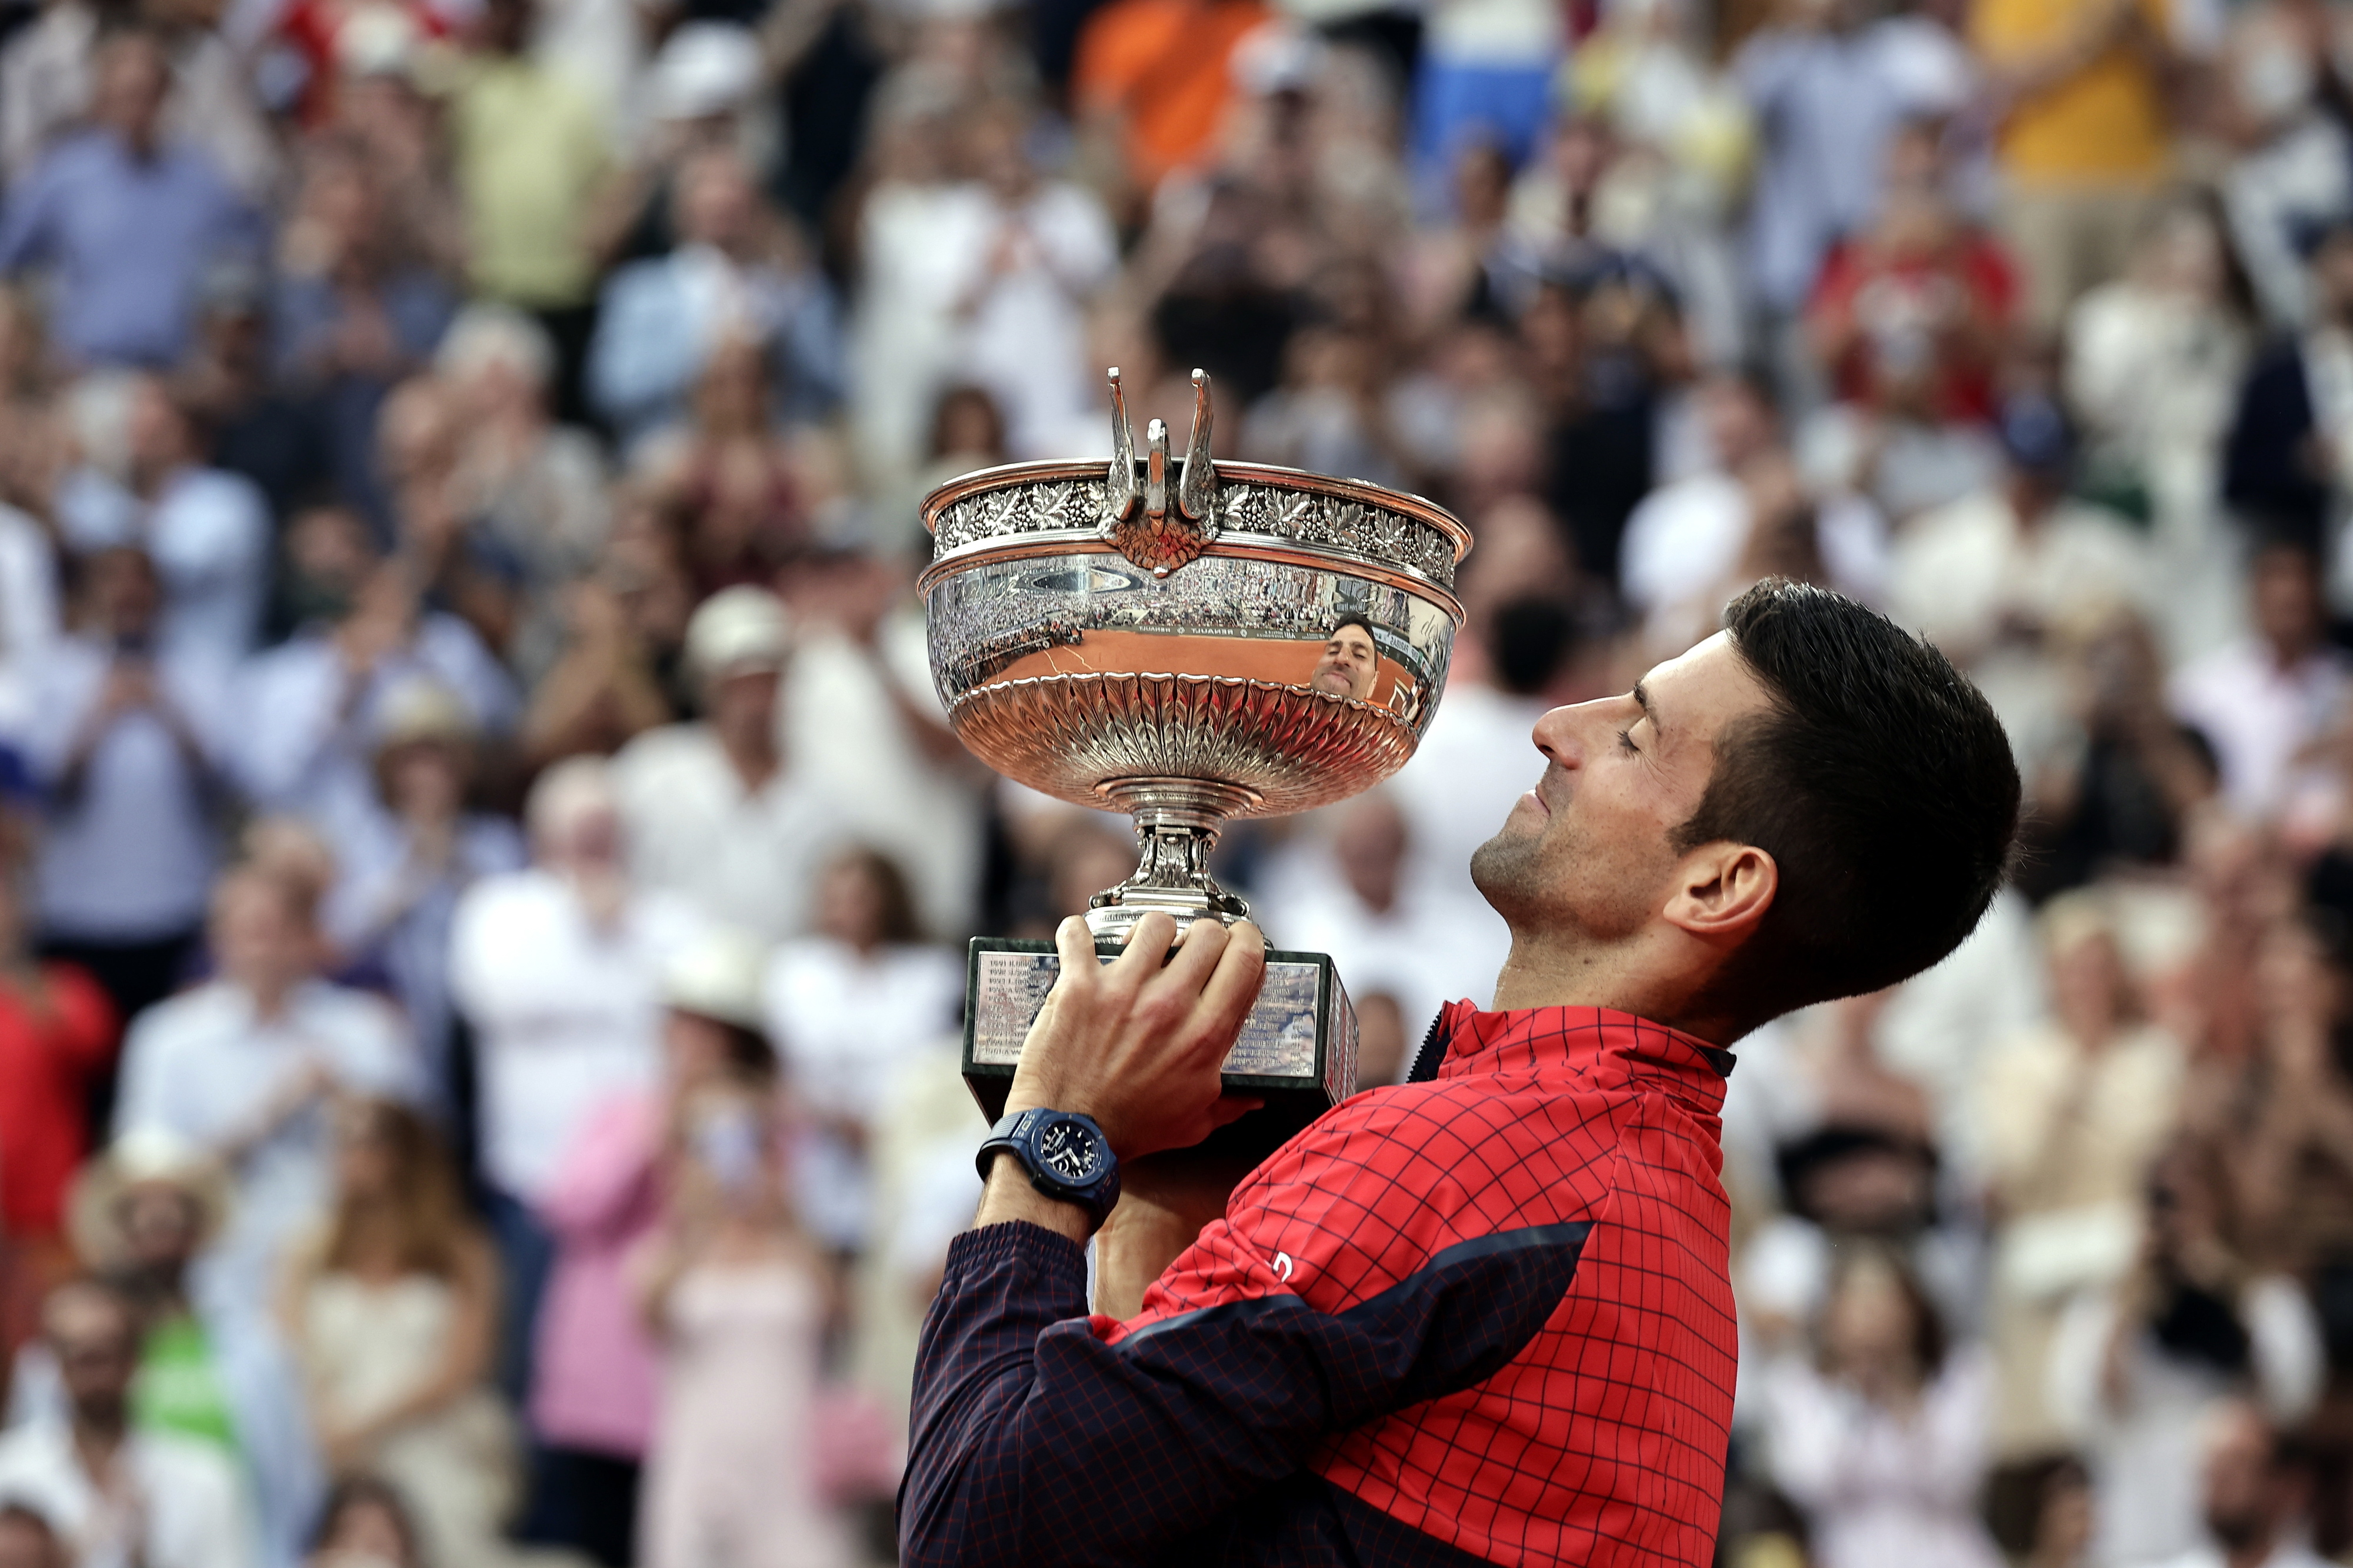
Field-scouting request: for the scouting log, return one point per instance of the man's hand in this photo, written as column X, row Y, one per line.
column 1138, row 1045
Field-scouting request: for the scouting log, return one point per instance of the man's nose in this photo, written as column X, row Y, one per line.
column 1566, row 734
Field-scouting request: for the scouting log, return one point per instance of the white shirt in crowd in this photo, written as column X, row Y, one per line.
column 190, row 1501
column 1414, row 953
column 694, row 829
column 929, row 253
column 566, row 1014
column 1881, row 1487
column 1685, row 541
column 130, row 856
column 2259, row 716
column 209, row 532
column 2145, row 1450
column 847, row 1027
column 843, row 732
column 204, row 1066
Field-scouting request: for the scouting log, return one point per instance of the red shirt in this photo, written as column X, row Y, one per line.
column 1487, row 1318
column 47, row 1058
column 1939, row 310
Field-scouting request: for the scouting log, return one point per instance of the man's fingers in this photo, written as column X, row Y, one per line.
column 1147, row 945
column 1226, row 1000
column 1076, row 944
column 1197, row 956
column 1231, row 1108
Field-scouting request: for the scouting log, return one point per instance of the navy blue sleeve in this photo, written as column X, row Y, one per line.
column 1036, row 1443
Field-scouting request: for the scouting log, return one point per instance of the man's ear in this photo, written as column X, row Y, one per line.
column 1721, row 891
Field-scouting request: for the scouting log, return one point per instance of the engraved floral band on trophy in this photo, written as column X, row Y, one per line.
column 1188, row 641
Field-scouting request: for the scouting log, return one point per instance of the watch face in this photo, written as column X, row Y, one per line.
column 1070, row 1152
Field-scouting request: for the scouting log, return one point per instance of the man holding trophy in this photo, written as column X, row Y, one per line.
column 1480, row 1317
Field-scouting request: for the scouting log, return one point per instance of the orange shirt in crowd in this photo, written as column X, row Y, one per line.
column 2102, row 124
column 1161, row 67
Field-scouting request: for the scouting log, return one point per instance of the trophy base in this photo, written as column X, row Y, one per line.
column 1297, row 1050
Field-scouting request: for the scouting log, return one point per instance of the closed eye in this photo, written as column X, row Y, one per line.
column 1626, row 743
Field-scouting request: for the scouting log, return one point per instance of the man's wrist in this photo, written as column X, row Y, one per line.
column 1009, row 1196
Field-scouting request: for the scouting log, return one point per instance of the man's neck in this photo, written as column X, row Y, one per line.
column 1615, row 976
column 753, row 757
column 2253, row 1553
column 97, row 1440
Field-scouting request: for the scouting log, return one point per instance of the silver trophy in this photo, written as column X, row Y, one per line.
column 1189, row 642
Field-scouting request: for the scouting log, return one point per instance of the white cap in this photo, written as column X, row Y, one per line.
column 737, row 628
column 721, row 975
column 705, row 68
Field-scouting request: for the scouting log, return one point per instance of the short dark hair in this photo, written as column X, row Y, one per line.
column 1880, row 781
column 1354, row 618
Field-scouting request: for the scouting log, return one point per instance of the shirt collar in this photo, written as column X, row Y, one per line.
column 1584, row 1039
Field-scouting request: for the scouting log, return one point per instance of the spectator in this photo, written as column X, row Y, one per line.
column 1885, row 1443
column 2135, row 1368
column 534, row 489
column 607, row 686
column 1153, row 77
column 58, row 1033
column 128, row 742
column 353, row 317
column 847, row 1007
column 531, row 153
column 714, row 813
column 2258, row 1491
column 2070, row 1113
column 2280, row 465
column 317, row 701
column 243, row 1067
column 1829, row 88
column 2083, row 141
column 393, row 1312
column 211, row 1369
column 365, row 1524
column 207, row 530
column 120, row 1496
column 129, row 223
column 732, row 274
column 404, row 875
column 597, row 1400
column 737, row 1295
column 556, row 968
column 2264, row 700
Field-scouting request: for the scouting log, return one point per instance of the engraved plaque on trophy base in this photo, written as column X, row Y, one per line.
column 1297, row 1050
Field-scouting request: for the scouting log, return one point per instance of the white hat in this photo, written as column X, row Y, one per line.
column 738, row 628
column 721, row 975
column 705, row 68
column 142, row 1157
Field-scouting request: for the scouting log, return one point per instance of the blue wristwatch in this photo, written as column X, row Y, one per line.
column 1067, row 1156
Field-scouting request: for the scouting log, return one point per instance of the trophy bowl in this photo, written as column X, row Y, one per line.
column 1189, row 642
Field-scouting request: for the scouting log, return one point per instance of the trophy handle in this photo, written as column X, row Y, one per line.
column 1138, row 519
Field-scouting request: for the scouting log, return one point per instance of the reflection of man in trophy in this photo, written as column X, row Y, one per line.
column 1350, row 658
column 1483, row 1315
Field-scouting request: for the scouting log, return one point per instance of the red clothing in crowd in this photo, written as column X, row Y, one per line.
column 48, row 1052
column 1893, row 314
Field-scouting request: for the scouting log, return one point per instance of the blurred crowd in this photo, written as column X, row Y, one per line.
column 482, row 864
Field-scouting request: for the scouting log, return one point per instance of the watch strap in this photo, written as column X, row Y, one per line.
column 1012, row 1133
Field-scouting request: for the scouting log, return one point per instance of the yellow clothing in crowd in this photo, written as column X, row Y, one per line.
column 2104, row 123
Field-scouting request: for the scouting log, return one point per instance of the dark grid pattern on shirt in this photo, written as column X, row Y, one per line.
column 1603, row 1441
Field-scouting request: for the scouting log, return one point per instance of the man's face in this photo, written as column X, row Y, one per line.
column 97, row 1348
column 259, row 941
column 2238, row 1478
column 25, row 1543
column 2287, row 594
column 1589, row 850
column 1348, row 665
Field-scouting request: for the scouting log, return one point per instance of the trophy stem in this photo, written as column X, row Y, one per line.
column 1177, row 822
